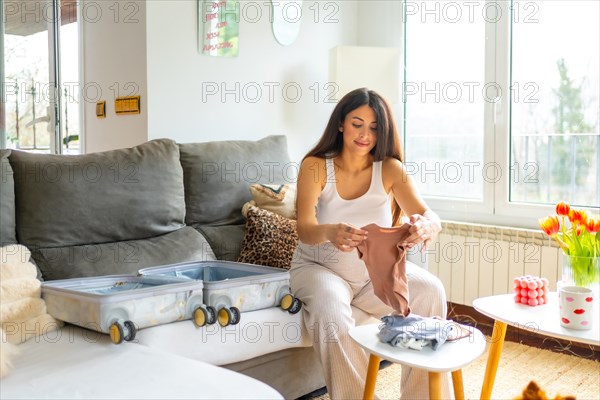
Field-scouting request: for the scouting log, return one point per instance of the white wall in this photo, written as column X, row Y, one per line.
column 178, row 75
column 154, row 45
column 385, row 32
column 383, row 23
column 114, row 64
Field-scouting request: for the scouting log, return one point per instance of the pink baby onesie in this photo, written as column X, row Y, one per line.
column 385, row 259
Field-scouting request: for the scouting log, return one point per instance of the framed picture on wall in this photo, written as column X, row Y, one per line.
column 218, row 27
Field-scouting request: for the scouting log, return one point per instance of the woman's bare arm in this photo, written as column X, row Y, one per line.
column 311, row 181
column 425, row 223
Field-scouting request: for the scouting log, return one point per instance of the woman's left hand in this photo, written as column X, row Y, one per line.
column 422, row 230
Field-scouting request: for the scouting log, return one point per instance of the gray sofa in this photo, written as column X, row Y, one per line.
column 157, row 203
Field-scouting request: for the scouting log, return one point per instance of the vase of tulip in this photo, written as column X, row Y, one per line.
column 580, row 243
column 580, row 271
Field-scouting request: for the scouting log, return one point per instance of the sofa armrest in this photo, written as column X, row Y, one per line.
column 76, row 363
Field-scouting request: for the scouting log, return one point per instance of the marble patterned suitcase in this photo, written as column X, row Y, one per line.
column 231, row 288
column 121, row 304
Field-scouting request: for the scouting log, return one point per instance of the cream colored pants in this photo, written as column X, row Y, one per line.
column 329, row 282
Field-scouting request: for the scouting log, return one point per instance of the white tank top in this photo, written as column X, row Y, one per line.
column 372, row 207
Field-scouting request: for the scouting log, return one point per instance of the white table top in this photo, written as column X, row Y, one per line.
column 451, row 356
column 542, row 319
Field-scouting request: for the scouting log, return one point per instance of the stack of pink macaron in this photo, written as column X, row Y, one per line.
column 531, row 290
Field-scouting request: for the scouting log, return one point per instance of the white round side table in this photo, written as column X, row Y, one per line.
column 450, row 357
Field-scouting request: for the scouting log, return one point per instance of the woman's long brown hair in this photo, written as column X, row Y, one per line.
column 388, row 142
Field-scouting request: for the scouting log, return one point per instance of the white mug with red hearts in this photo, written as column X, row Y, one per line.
column 576, row 307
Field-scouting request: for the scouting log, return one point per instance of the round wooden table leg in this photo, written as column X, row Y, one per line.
column 435, row 385
column 457, row 384
column 494, row 353
column 372, row 372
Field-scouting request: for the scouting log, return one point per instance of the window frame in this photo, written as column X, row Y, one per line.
column 495, row 207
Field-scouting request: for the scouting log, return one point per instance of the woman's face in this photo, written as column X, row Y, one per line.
column 360, row 130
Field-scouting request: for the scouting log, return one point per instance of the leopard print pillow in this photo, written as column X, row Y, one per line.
column 269, row 239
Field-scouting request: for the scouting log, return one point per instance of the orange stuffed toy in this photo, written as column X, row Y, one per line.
column 534, row 392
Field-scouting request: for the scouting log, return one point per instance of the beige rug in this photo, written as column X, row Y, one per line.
column 555, row 373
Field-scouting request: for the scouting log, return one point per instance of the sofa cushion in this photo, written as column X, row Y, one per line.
column 217, row 176
column 280, row 199
column 7, row 201
column 258, row 332
column 270, row 239
column 126, row 257
column 225, row 241
column 116, row 195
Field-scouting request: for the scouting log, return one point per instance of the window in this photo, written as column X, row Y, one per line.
column 34, row 34
column 444, row 106
column 554, row 119
column 501, row 107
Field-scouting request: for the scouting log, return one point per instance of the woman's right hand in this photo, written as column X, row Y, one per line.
column 345, row 237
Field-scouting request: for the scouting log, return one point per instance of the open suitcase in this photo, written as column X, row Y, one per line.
column 231, row 287
column 121, row 304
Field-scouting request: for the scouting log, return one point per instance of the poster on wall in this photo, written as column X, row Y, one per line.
column 219, row 27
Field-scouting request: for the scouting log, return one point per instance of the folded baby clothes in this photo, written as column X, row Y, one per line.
column 385, row 259
column 416, row 332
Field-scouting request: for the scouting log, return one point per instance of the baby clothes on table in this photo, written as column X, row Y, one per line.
column 416, row 332
column 386, row 263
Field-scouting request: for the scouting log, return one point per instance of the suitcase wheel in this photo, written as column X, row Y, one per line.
column 225, row 316
column 236, row 314
column 131, row 331
column 212, row 315
column 296, row 306
column 116, row 333
column 200, row 317
column 286, row 302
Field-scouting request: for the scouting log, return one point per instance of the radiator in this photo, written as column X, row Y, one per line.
column 477, row 260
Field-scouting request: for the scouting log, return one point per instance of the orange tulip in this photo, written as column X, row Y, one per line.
column 577, row 216
column 563, row 209
column 550, row 225
column 593, row 225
